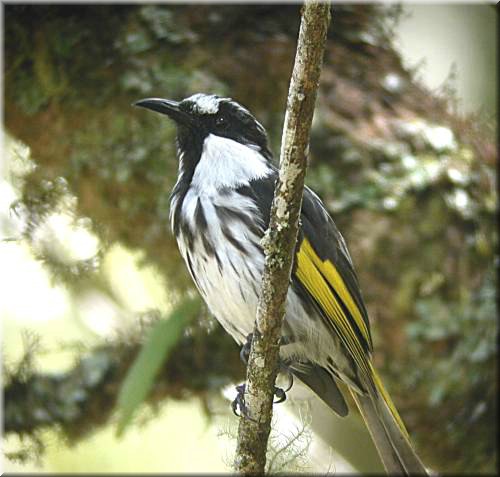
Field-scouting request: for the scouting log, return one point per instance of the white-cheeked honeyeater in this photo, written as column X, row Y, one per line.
column 219, row 211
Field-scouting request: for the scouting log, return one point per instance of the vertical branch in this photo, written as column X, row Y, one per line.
column 280, row 240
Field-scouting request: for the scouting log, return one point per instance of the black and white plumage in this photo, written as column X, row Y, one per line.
column 219, row 212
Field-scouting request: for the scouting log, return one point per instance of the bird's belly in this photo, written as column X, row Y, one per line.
column 219, row 241
column 229, row 283
column 226, row 262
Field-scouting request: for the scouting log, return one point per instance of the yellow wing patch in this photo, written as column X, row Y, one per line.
column 318, row 277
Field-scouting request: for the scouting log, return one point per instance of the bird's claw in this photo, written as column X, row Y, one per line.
column 239, row 403
column 281, row 393
column 245, row 349
column 290, row 380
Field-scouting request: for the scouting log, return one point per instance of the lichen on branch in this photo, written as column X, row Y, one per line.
column 280, row 239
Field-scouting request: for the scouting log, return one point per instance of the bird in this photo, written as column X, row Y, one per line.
column 219, row 212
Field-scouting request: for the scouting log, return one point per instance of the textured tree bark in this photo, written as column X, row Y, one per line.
column 280, row 239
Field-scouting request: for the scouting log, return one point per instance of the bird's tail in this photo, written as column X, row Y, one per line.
column 388, row 431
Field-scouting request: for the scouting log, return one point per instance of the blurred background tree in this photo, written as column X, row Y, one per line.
column 89, row 265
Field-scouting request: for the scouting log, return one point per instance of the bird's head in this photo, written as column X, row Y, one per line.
column 201, row 115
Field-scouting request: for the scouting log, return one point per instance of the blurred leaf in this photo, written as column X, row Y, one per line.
column 162, row 337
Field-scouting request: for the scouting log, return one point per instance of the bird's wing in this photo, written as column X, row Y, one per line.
column 324, row 268
column 322, row 383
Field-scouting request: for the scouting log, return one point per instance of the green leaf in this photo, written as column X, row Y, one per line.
column 161, row 339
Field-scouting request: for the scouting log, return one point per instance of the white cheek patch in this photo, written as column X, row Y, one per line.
column 227, row 163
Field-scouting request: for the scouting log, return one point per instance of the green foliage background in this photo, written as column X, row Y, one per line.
column 418, row 212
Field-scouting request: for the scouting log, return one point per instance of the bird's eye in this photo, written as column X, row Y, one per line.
column 220, row 122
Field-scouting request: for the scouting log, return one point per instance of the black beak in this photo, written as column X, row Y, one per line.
column 168, row 107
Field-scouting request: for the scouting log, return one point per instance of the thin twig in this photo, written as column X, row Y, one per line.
column 280, row 240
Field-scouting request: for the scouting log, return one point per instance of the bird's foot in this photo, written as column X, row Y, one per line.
column 281, row 393
column 245, row 349
column 240, row 404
